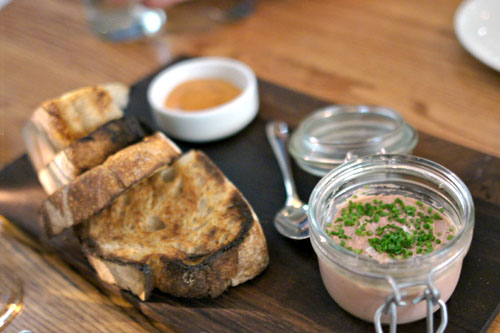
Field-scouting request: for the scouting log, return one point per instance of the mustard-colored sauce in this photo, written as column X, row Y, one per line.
column 200, row 94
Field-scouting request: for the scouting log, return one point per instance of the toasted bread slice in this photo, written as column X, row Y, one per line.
column 119, row 93
column 95, row 189
column 76, row 113
column 57, row 123
column 89, row 151
column 185, row 230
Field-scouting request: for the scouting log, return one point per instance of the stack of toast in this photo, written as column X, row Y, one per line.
column 147, row 216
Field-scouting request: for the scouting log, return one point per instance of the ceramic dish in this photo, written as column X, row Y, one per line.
column 477, row 26
column 209, row 124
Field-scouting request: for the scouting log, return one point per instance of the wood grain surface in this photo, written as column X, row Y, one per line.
column 57, row 298
column 399, row 54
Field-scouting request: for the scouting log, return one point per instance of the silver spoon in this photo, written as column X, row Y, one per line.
column 291, row 221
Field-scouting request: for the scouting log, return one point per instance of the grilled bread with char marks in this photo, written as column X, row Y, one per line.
column 59, row 122
column 185, row 230
column 77, row 113
column 89, row 151
column 96, row 189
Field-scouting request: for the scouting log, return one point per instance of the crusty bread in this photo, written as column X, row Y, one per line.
column 75, row 114
column 89, row 151
column 119, row 93
column 58, row 122
column 185, row 230
column 95, row 189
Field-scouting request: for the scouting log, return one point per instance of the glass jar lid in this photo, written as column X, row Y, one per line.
column 336, row 134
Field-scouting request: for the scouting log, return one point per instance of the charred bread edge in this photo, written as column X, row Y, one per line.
column 237, row 201
column 35, row 133
column 42, row 212
column 63, row 169
column 128, row 123
column 247, row 224
column 48, row 120
column 209, row 259
column 143, row 268
column 45, row 218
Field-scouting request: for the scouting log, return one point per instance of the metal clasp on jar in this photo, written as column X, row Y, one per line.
column 430, row 294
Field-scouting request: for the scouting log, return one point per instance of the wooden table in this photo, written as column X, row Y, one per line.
column 402, row 55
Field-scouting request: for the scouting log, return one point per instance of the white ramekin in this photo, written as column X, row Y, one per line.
column 209, row 124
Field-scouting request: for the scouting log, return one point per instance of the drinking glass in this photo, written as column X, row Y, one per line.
column 11, row 287
column 120, row 21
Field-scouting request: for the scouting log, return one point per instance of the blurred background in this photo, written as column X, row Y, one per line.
column 403, row 55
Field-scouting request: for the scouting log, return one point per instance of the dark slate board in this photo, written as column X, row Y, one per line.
column 289, row 296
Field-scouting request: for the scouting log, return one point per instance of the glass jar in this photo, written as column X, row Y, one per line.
column 336, row 134
column 372, row 290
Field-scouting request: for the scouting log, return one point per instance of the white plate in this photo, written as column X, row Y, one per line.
column 477, row 25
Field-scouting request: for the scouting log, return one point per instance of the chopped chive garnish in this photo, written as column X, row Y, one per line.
column 410, row 229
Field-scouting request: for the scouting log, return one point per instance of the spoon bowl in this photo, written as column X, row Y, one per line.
column 292, row 220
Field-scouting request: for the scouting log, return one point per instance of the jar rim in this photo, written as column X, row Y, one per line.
column 336, row 133
column 334, row 111
column 364, row 265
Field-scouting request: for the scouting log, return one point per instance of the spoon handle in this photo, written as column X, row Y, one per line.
column 277, row 134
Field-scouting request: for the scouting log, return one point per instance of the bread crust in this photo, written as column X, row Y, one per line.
column 93, row 149
column 75, row 114
column 134, row 277
column 96, row 189
column 231, row 250
column 89, row 151
column 58, row 122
